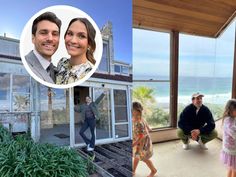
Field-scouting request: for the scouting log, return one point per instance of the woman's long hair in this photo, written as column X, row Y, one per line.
column 91, row 37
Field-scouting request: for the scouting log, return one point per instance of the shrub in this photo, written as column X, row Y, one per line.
column 22, row 157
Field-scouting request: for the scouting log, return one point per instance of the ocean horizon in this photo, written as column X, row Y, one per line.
column 217, row 90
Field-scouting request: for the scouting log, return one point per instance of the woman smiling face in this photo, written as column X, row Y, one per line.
column 76, row 41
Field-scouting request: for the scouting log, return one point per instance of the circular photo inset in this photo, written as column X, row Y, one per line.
column 61, row 46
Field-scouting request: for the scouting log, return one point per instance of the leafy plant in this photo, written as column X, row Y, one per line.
column 21, row 157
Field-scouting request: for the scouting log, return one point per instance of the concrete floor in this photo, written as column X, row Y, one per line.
column 172, row 161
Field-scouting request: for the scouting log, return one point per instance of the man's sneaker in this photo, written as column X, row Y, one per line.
column 186, row 146
column 202, row 145
column 88, row 145
column 90, row 149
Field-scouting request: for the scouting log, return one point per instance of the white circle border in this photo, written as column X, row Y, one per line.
column 54, row 9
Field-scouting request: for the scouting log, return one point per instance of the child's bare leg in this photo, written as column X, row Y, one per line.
column 229, row 173
column 135, row 164
column 233, row 173
column 152, row 168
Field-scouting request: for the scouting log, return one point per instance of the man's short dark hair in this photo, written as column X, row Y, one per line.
column 46, row 16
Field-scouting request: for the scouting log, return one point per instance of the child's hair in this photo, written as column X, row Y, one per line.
column 229, row 108
column 138, row 107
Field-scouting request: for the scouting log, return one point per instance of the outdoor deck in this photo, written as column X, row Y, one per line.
column 112, row 159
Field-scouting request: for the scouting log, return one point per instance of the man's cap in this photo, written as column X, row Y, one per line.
column 195, row 95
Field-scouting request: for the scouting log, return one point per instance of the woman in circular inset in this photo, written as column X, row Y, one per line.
column 80, row 45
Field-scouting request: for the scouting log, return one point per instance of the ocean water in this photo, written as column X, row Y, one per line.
column 216, row 90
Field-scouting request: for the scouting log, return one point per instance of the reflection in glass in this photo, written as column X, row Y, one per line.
column 4, row 92
column 120, row 106
column 21, row 101
column 21, row 83
column 121, row 131
column 120, row 97
column 125, row 70
column 21, row 93
column 104, row 125
column 117, row 69
column 54, row 121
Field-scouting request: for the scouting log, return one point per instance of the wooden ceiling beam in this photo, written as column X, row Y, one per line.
column 174, row 10
column 204, row 17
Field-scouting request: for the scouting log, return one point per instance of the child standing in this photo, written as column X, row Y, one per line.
column 228, row 154
column 142, row 143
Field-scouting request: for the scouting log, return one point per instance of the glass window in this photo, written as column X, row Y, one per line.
column 104, row 125
column 121, row 130
column 21, row 83
column 21, row 93
column 5, row 92
column 104, row 64
column 54, row 119
column 124, row 70
column 151, row 68
column 205, row 65
column 117, row 69
column 13, row 68
column 9, row 47
column 120, row 101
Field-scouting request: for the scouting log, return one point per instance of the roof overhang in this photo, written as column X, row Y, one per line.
column 197, row 17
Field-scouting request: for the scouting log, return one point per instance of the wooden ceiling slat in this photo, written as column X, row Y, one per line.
column 202, row 6
column 198, row 17
column 172, row 25
column 188, row 28
column 160, row 27
column 226, row 2
column 180, row 18
column 174, row 10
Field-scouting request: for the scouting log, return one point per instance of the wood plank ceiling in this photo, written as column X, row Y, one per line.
column 198, row 17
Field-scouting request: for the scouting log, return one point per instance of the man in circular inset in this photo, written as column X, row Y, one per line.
column 196, row 122
column 45, row 37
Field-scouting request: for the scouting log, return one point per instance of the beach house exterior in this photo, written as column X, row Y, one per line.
column 48, row 114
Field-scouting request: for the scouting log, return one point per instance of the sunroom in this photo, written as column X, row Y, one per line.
column 180, row 48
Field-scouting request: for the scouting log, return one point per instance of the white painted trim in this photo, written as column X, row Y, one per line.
column 72, row 116
column 107, row 141
column 129, row 100
column 113, row 113
column 122, row 123
column 11, row 61
column 11, row 92
column 37, row 109
column 92, row 93
column 98, row 80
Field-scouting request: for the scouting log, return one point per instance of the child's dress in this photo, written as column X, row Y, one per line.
column 228, row 154
column 143, row 150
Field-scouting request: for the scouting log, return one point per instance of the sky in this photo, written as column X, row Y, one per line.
column 15, row 14
column 198, row 56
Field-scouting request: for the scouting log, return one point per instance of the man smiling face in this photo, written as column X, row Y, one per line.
column 46, row 38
